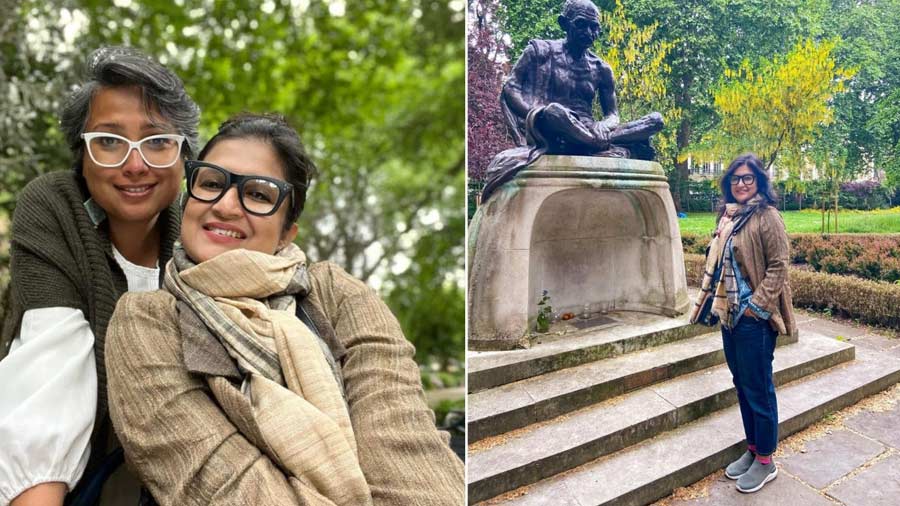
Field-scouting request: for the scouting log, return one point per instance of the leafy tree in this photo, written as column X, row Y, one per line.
column 524, row 20
column 710, row 36
column 640, row 69
column 833, row 170
column 436, row 305
column 775, row 108
column 32, row 82
column 885, row 128
column 867, row 113
column 487, row 53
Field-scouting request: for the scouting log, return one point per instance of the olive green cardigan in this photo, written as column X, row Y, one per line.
column 61, row 258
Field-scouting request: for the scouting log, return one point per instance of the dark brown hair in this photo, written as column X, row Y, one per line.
column 763, row 184
column 273, row 129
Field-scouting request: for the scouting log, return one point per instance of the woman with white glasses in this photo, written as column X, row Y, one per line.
column 81, row 239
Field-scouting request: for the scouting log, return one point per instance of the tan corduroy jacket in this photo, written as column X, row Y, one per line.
column 762, row 251
column 170, row 387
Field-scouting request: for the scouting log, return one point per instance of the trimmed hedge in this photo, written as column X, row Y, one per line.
column 868, row 256
column 694, row 243
column 872, row 302
column 693, row 268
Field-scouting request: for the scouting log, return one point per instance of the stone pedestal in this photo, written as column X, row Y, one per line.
column 590, row 230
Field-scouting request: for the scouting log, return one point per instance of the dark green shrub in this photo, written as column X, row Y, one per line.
column 473, row 189
column 867, row 265
column 694, row 265
column 694, row 243
column 864, row 195
column 818, row 252
column 890, row 269
column 852, row 249
column 835, row 264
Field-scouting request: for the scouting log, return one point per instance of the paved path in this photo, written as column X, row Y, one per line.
column 850, row 458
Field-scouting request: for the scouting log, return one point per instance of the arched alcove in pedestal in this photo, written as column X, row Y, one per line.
column 590, row 230
column 602, row 246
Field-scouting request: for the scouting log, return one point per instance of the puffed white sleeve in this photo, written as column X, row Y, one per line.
column 47, row 402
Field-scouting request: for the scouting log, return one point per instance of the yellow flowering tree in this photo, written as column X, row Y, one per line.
column 776, row 108
column 639, row 66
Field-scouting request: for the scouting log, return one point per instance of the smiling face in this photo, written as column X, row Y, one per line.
column 744, row 192
column 131, row 192
column 210, row 229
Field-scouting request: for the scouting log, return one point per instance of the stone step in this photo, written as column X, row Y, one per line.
column 515, row 405
column 632, row 331
column 652, row 469
column 536, row 452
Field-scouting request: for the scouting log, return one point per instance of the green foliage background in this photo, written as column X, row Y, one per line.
column 376, row 89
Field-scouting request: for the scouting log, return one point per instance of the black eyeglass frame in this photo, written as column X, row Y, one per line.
column 743, row 179
column 231, row 179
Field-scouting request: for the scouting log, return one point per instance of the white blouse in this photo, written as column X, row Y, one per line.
column 49, row 394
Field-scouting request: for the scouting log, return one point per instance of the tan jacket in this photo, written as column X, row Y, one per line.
column 170, row 389
column 762, row 251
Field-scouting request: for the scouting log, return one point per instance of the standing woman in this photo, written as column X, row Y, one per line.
column 752, row 299
column 80, row 239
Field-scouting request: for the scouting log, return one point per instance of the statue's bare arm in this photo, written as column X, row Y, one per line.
column 512, row 88
column 606, row 95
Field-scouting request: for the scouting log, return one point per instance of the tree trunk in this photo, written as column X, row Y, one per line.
column 823, row 219
column 835, row 211
column 682, row 139
column 681, row 168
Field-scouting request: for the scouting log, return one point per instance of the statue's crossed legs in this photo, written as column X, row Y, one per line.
column 569, row 133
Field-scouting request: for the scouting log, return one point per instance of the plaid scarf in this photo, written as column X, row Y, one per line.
column 723, row 290
column 247, row 299
column 731, row 289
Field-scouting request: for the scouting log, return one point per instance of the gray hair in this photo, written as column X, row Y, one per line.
column 573, row 6
column 125, row 66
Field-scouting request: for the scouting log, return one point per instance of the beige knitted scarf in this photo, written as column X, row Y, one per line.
column 247, row 299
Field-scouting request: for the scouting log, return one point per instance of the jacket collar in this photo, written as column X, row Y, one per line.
column 201, row 351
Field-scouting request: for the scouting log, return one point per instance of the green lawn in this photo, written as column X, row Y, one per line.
column 862, row 222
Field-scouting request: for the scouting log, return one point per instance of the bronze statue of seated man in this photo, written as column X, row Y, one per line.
column 548, row 102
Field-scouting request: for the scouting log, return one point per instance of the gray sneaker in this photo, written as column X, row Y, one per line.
column 757, row 476
column 739, row 466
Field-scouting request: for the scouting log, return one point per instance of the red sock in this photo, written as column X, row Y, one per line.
column 764, row 460
column 752, row 449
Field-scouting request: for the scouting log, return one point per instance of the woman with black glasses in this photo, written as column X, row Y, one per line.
column 745, row 287
column 79, row 240
column 255, row 377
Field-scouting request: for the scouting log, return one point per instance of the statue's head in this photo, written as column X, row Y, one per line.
column 580, row 20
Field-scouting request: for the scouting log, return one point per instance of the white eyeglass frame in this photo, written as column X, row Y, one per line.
column 132, row 145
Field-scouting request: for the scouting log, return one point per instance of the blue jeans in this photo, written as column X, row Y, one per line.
column 749, row 351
